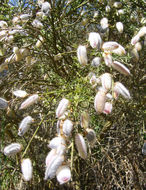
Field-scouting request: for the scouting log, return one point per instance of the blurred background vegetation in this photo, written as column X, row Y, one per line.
column 116, row 161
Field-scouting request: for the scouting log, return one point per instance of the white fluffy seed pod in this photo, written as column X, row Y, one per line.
column 3, row 104
column 120, row 12
column 107, row 59
column 16, row 20
column 108, row 108
column 24, row 17
column 142, row 32
column 3, row 24
column 12, row 149
column 109, row 96
column 61, row 149
column 96, row 13
column 53, row 166
column 109, row 46
column 84, row 120
column 107, row 8
column 56, row 141
column 95, row 40
column 81, row 146
column 50, row 156
column 20, row 93
column 45, row 7
column 37, row 24
column 39, row 42
column 24, row 52
column 135, row 39
column 67, row 127
column 16, row 50
column 25, row 125
column 29, row 101
column 91, row 136
column 3, row 34
column 96, row 62
column 119, row 88
column 104, row 23
column 26, row 168
column 99, row 101
column 106, row 81
column 117, row 4
column 82, row 55
column 120, row 67
column 63, row 104
column 138, row 46
column 119, row 51
column 63, row 174
column 120, row 27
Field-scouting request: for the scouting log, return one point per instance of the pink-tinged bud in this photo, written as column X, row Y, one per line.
column 107, row 59
column 63, row 104
column 135, row 39
column 121, row 68
column 26, row 168
column 96, row 62
column 109, row 46
column 119, row 51
column 95, row 40
column 91, row 136
column 108, row 108
column 138, row 46
column 25, row 125
column 63, row 174
column 12, row 149
column 99, row 102
column 3, row 24
column 81, row 146
column 85, row 120
column 3, row 104
column 50, row 157
column 20, row 93
column 119, row 88
column 82, row 55
column 29, row 101
column 106, row 81
column 37, row 24
column 142, row 32
column 55, row 142
column 120, row 27
column 53, row 166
